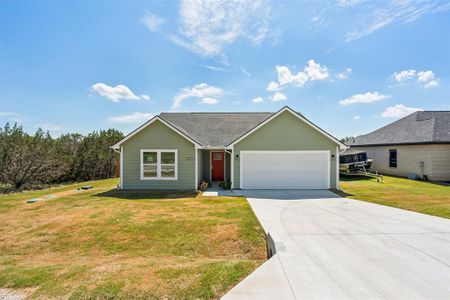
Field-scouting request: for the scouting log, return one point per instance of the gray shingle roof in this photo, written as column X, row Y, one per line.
column 215, row 129
column 419, row 127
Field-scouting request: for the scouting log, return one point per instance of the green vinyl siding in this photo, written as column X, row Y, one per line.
column 286, row 132
column 158, row 136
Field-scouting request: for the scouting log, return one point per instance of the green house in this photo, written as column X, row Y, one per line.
column 281, row 150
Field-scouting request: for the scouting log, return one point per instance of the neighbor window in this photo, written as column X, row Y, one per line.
column 393, row 158
column 159, row 164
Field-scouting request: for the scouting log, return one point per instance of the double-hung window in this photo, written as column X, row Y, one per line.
column 159, row 164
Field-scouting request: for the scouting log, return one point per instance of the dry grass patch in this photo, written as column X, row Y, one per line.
column 105, row 243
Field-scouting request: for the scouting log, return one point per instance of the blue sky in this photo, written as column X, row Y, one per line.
column 350, row 66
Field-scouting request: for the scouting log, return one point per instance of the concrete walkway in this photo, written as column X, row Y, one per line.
column 329, row 247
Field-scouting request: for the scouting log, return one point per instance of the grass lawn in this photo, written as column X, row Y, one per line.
column 424, row 197
column 103, row 244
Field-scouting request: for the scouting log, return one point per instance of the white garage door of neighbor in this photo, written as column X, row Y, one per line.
column 285, row 169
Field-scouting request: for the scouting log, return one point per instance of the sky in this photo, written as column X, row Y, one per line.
column 350, row 66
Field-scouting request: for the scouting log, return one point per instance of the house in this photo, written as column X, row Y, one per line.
column 281, row 150
column 416, row 145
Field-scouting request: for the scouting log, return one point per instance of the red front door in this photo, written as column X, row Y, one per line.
column 217, row 162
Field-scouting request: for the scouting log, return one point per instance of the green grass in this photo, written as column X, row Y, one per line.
column 424, row 197
column 109, row 244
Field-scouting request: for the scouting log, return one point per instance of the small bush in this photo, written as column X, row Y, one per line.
column 226, row 185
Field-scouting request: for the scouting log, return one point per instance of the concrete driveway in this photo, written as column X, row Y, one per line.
column 328, row 247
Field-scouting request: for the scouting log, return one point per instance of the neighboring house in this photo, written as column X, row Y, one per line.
column 281, row 150
column 416, row 145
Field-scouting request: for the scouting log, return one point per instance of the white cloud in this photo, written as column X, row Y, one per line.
column 286, row 77
column 152, row 22
column 315, row 71
column 356, row 117
column 246, row 73
column 117, row 93
column 368, row 97
column 209, row 100
column 404, row 75
column 210, row 67
column 426, row 78
column 208, row 27
column 366, row 17
column 257, row 100
column 135, row 117
column 279, row 97
column 431, row 83
column 398, row 111
column 345, row 74
column 273, row 86
column 345, row 3
column 206, row 93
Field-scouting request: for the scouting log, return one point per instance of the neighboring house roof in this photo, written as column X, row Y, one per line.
column 422, row 127
column 219, row 129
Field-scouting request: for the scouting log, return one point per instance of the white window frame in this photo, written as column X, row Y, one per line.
column 159, row 164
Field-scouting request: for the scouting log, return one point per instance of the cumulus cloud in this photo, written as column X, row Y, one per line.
column 208, row 27
column 398, row 111
column 279, row 97
column 312, row 71
column 404, row 75
column 152, row 22
column 356, row 117
column 117, row 93
column 273, row 86
column 136, row 117
column 426, row 78
column 206, row 94
column 315, row 71
column 368, row 97
column 257, row 100
column 345, row 74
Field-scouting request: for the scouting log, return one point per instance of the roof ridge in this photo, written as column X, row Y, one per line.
column 216, row 112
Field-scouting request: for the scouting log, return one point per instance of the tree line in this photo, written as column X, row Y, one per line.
column 32, row 160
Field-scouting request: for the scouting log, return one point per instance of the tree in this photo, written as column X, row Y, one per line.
column 27, row 159
column 348, row 139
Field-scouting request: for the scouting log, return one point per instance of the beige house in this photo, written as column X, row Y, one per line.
column 417, row 145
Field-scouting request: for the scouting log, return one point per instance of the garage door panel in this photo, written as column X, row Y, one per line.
column 285, row 170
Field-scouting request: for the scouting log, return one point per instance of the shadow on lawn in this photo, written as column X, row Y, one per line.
column 344, row 177
column 147, row 194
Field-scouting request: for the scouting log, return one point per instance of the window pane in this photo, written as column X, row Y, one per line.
column 217, row 156
column 150, row 157
column 167, row 157
column 149, row 171
column 168, row 171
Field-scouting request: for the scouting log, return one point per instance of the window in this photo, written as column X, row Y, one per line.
column 393, row 158
column 159, row 164
column 217, row 156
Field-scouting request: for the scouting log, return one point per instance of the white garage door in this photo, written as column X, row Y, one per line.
column 285, row 169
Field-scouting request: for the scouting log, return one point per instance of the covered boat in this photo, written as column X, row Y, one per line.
column 354, row 162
